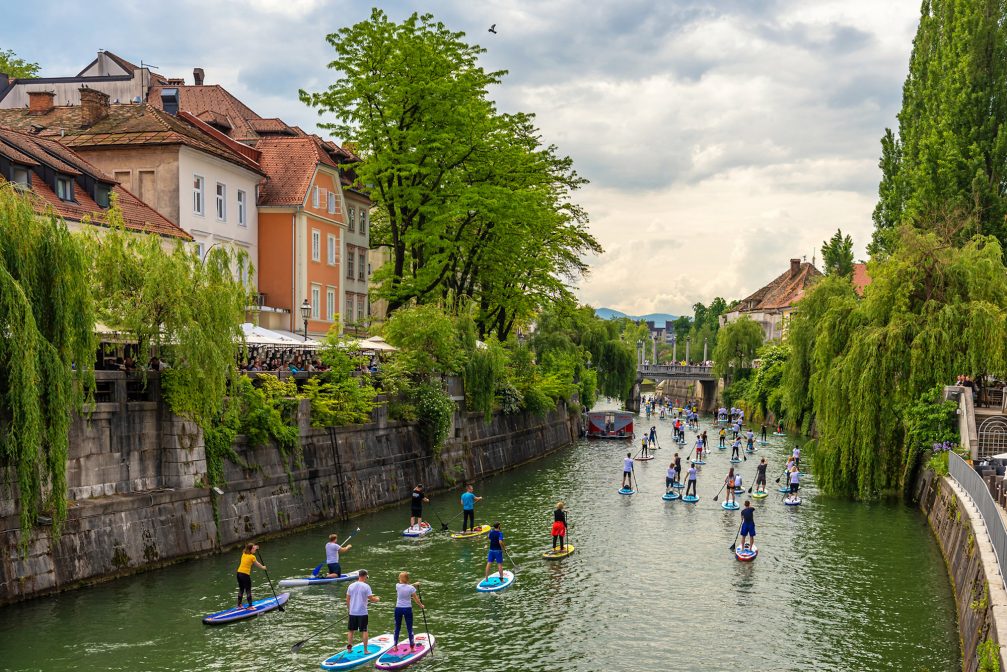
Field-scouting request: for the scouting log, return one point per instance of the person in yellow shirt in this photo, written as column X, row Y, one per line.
column 245, row 572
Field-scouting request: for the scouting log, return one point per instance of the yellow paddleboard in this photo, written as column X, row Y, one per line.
column 479, row 531
column 557, row 554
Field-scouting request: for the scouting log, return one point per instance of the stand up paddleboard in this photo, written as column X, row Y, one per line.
column 792, row 501
column 690, row 499
column 413, row 531
column 739, row 491
column 478, row 531
column 678, row 485
column 493, row 583
column 630, row 491
column 721, row 447
column 320, row 580
column 760, row 495
column 784, row 488
column 779, row 434
column 644, row 459
column 347, row 660
column 556, row 554
column 731, row 506
column 241, row 613
column 699, row 462
column 763, row 443
column 735, row 460
column 746, row 554
column 670, row 496
column 402, row 655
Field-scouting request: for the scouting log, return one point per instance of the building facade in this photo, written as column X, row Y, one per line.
column 772, row 306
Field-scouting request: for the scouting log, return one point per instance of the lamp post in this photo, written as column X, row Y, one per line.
column 674, row 348
column 639, row 353
column 704, row 348
column 688, row 342
column 305, row 314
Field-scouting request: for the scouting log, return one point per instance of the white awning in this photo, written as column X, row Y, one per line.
column 255, row 335
column 376, row 344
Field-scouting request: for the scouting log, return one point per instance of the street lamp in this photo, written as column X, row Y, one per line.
column 305, row 314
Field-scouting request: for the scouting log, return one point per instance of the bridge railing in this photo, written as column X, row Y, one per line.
column 979, row 492
column 676, row 369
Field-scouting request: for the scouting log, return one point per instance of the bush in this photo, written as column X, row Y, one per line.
column 434, row 411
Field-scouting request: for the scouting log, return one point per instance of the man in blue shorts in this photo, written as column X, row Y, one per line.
column 748, row 525
column 496, row 552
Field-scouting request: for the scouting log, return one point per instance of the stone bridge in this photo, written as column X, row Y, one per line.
column 696, row 382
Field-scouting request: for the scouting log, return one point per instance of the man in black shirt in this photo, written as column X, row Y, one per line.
column 760, row 476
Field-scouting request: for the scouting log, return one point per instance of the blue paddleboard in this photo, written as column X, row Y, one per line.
column 784, row 488
column 746, row 554
column 630, row 491
column 670, row 496
column 347, row 660
column 731, row 506
column 320, row 580
column 735, row 460
column 241, row 613
column 690, row 499
column 699, row 462
column 792, row 501
column 494, row 583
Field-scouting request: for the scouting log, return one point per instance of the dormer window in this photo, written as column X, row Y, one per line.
column 101, row 195
column 64, row 188
column 19, row 176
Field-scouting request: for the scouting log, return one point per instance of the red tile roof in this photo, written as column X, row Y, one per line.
column 124, row 125
column 228, row 112
column 784, row 291
column 289, row 164
column 137, row 216
column 861, row 278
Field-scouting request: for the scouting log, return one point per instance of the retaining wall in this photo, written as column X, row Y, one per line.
column 980, row 597
column 135, row 500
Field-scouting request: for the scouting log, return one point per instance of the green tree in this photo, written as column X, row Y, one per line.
column 15, row 67
column 948, row 161
column 837, row 255
column 934, row 310
column 737, row 345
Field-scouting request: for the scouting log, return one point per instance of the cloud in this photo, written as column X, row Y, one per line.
column 721, row 137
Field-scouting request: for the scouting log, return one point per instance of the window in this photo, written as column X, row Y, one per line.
column 330, row 303
column 332, row 250
column 197, row 194
column 221, row 202
column 316, row 292
column 200, row 250
column 123, row 177
column 316, row 245
column 315, row 197
column 363, row 221
column 362, row 266
column 350, row 220
column 349, row 262
column 349, row 308
column 332, row 203
column 64, row 188
column 361, row 307
column 241, row 209
column 101, row 194
column 19, row 175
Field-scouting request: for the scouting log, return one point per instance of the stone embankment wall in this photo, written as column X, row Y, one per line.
column 980, row 597
column 137, row 499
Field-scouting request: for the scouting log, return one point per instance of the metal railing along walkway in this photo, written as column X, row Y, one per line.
column 978, row 491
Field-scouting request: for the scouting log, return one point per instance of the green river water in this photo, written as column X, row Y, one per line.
column 652, row 586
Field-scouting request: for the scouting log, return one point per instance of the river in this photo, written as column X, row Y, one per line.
column 652, row 585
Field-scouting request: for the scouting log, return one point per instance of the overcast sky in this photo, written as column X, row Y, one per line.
column 721, row 138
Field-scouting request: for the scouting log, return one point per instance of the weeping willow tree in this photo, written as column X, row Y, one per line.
column 933, row 310
column 47, row 318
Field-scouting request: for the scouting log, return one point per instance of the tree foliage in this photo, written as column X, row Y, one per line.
column 47, row 318
column 932, row 311
column 737, row 345
column 948, row 159
column 473, row 208
column 837, row 255
column 15, row 67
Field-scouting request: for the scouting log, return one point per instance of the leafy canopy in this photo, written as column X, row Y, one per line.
column 837, row 255
column 15, row 67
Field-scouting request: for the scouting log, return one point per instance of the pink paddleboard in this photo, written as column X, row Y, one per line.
column 402, row 655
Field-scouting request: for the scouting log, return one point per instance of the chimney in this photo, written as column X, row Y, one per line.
column 93, row 106
column 197, row 76
column 795, row 267
column 40, row 102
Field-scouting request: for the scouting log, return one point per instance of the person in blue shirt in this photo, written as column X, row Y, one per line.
column 747, row 526
column 469, row 509
column 496, row 551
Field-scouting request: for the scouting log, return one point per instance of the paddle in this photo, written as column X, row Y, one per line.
column 279, row 606
column 717, row 496
column 635, row 480
column 318, row 569
column 734, row 544
column 444, row 526
column 426, row 625
column 516, row 568
column 297, row 647
column 781, row 476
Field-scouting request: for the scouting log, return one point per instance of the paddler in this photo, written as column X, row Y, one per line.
column 764, row 440
column 244, row 573
column 678, row 467
column 795, row 482
column 405, row 595
column 653, row 436
column 644, row 447
column 416, row 502
column 748, row 525
column 735, row 448
column 496, row 551
column 750, row 439
column 729, row 485
column 669, row 479
column 760, row 476
column 559, row 526
column 691, row 483
column 737, row 482
column 723, row 437
column 332, row 551
column 469, row 500
column 358, row 596
column 797, row 457
column 627, row 472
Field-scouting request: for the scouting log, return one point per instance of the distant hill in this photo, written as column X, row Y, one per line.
column 659, row 319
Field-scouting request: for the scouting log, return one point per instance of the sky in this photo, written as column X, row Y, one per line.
column 720, row 138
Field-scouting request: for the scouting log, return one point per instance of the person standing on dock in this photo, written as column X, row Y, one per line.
column 748, row 525
column 469, row 508
column 332, row 551
column 416, row 502
column 358, row 596
column 627, row 472
column 495, row 554
column 559, row 526
column 244, row 573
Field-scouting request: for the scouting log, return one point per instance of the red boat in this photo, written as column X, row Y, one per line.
column 610, row 425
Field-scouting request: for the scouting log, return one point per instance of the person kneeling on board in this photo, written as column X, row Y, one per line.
column 332, row 551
